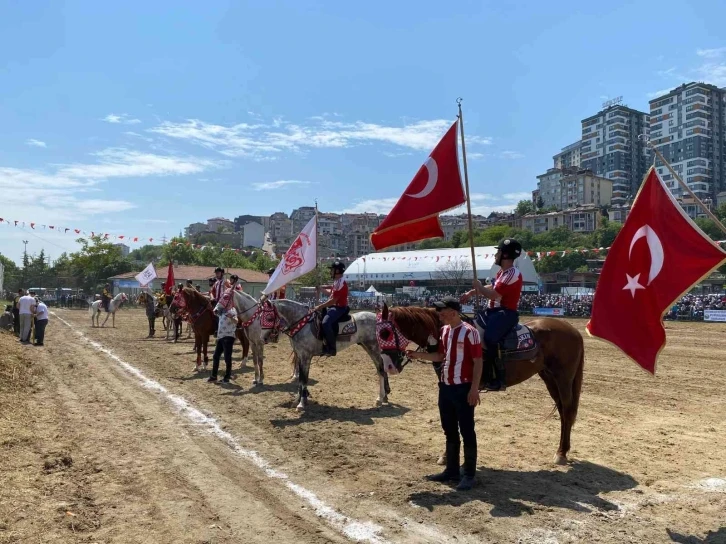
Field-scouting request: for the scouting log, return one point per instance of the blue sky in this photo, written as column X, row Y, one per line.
column 138, row 118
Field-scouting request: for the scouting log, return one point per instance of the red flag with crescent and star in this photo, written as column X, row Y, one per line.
column 659, row 254
column 169, row 283
column 436, row 188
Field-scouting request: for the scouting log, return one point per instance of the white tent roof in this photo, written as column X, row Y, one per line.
column 427, row 264
column 371, row 289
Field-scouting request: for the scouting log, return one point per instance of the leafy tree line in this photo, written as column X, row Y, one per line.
column 97, row 260
column 561, row 239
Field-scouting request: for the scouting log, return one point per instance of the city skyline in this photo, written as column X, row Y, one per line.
column 147, row 125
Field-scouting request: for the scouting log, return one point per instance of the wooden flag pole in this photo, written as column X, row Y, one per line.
column 468, row 198
column 685, row 186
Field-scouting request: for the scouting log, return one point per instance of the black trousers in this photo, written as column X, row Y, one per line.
column 223, row 345
column 457, row 416
column 40, row 331
column 152, row 325
column 16, row 321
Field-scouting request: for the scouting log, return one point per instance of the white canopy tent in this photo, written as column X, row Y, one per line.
column 431, row 265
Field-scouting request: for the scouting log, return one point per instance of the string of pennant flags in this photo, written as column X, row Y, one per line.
column 534, row 255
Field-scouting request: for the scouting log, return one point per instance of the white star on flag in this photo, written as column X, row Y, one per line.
column 633, row 284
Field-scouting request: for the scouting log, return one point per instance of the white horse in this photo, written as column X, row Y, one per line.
column 115, row 304
column 248, row 314
column 305, row 345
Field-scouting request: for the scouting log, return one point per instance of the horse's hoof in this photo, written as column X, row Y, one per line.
column 441, row 460
column 560, row 459
column 382, row 402
column 300, row 407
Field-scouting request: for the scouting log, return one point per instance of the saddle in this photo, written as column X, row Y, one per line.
column 519, row 344
column 346, row 328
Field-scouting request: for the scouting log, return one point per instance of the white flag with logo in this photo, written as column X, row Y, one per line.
column 300, row 259
column 147, row 275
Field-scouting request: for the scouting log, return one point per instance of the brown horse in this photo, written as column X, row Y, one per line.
column 200, row 314
column 559, row 360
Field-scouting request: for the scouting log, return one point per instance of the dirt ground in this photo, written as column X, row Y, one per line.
column 94, row 452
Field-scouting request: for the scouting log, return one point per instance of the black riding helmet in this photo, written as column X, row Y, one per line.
column 339, row 266
column 219, row 269
column 510, row 248
column 233, row 278
column 271, row 271
column 212, row 281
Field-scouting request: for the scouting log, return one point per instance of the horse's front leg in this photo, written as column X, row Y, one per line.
column 198, row 348
column 304, row 369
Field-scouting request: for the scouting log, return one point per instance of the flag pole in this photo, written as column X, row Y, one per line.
column 317, row 255
column 468, row 198
column 684, row 185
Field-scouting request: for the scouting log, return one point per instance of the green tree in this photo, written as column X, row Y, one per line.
column 178, row 251
column 435, row 243
column 605, row 235
column 524, row 207
column 540, row 202
column 12, row 274
column 97, row 261
column 148, row 253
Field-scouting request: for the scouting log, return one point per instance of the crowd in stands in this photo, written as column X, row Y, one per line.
column 690, row 307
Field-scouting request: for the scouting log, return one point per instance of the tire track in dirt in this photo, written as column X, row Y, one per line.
column 345, row 526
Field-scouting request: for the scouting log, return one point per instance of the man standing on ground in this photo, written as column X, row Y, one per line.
column 225, row 340
column 16, row 312
column 151, row 313
column 461, row 353
column 26, row 307
column 41, row 321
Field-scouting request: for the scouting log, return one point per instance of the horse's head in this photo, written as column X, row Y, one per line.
column 124, row 298
column 392, row 343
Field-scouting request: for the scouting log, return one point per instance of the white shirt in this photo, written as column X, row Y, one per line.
column 24, row 304
column 41, row 311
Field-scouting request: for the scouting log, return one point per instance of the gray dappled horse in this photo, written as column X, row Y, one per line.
column 306, row 345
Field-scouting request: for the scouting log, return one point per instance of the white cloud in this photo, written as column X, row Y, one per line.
column 35, row 143
column 475, row 156
column 713, row 72
column 656, row 94
column 270, row 185
column 482, row 204
column 257, row 140
column 63, row 192
column 711, row 53
column 511, row 155
column 119, row 162
column 122, row 118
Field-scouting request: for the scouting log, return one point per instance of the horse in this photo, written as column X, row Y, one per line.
column 306, row 344
column 115, row 304
column 162, row 309
column 558, row 358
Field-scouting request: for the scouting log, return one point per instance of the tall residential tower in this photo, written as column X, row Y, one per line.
column 611, row 148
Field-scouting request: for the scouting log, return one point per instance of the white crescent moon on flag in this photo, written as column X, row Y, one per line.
column 433, row 171
column 656, row 250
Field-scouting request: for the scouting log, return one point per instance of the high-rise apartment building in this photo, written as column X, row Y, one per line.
column 687, row 127
column 611, row 148
column 569, row 156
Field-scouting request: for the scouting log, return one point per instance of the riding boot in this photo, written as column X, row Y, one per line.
column 501, row 373
column 493, row 376
column 451, row 472
column 469, row 469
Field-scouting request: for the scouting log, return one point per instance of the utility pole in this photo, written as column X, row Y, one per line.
column 25, row 260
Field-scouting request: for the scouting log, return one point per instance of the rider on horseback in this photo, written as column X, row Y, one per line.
column 106, row 297
column 280, row 293
column 501, row 316
column 338, row 307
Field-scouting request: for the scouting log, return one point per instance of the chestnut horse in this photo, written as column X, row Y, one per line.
column 200, row 314
column 559, row 360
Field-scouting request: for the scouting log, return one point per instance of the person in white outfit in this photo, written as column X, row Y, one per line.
column 41, row 321
column 26, row 307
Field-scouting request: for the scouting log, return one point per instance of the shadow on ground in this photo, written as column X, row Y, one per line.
column 717, row 537
column 508, row 491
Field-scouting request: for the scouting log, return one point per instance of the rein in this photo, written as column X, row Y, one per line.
column 249, row 322
column 298, row 325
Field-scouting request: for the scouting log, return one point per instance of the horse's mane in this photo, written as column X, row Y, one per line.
column 195, row 296
column 415, row 323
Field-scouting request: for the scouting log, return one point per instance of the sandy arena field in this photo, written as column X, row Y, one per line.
column 130, row 445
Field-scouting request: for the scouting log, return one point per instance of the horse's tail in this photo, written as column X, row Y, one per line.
column 90, row 309
column 577, row 383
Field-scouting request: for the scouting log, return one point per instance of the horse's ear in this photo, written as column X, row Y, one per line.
column 384, row 312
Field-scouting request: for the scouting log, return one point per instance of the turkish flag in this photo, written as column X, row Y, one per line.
column 434, row 189
column 659, row 254
column 169, row 283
